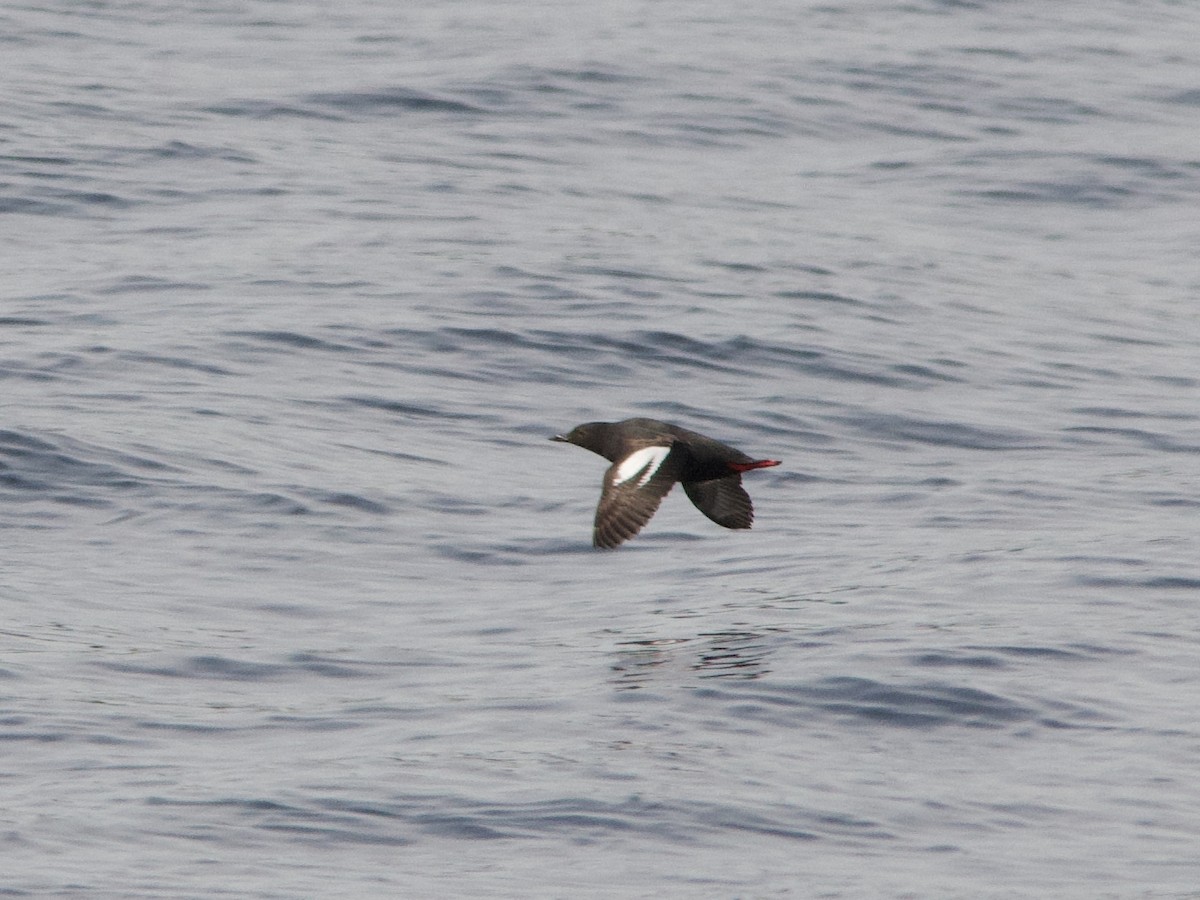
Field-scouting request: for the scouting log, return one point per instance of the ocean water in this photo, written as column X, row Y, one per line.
column 298, row 600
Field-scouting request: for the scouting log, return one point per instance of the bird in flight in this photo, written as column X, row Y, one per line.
column 647, row 458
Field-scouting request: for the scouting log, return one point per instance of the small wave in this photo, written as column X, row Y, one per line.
column 1003, row 656
column 904, row 429
column 351, row 501
column 149, row 284
column 188, row 151
column 1140, row 436
column 1154, row 583
column 216, row 667
column 1189, row 97
column 1081, row 192
column 390, row 100
column 291, row 339
column 953, row 659
column 819, row 297
column 62, row 471
column 928, row 705
column 252, row 108
column 1116, row 412
column 55, row 201
column 1096, row 181
column 407, row 818
column 225, row 668
column 406, row 409
column 39, row 474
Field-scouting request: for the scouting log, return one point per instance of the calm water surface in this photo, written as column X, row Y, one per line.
column 299, row 601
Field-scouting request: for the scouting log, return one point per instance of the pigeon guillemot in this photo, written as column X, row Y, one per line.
column 647, row 458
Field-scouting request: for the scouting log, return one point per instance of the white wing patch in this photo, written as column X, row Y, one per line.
column 647, row 459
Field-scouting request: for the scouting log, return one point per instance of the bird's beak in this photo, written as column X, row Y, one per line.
column 559, row 437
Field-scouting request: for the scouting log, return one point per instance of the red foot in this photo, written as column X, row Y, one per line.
column 756, row 464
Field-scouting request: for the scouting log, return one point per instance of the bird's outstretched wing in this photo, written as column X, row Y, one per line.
column 723, row 500
column 634, row 487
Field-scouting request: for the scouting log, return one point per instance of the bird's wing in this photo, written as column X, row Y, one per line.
column 633, row 489
column 723, row 500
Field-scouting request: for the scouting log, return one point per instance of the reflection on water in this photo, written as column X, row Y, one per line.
column 722, row 654
column 731, row 652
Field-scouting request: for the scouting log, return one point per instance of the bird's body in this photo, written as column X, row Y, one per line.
column 647, row 458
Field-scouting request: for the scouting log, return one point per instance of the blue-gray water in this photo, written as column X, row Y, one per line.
column 298, row 600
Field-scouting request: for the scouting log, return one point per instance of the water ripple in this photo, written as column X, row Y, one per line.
column 403, row 819
column 927, row 705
